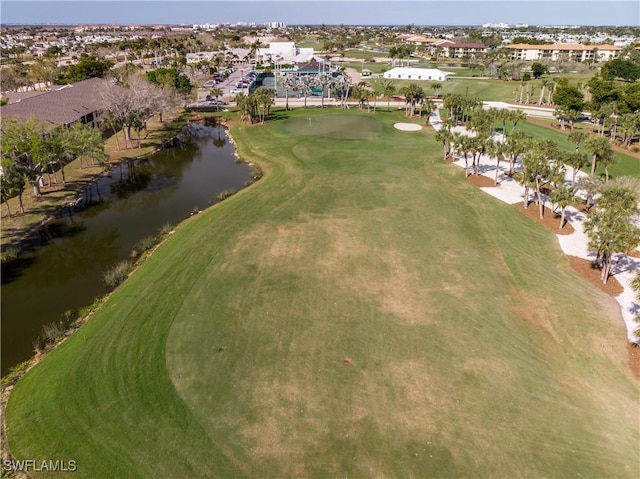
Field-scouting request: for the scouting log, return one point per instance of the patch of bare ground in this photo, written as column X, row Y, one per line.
column 481, row 181
column 585, row 269
column 449, row 159
column 634, row 359
column 550, row 220
column 278, row 435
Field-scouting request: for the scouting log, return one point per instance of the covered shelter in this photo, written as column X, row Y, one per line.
column 409, row 73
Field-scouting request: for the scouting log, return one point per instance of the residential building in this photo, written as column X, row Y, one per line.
column 453, row 49
column 68, row 104
column 577, row 52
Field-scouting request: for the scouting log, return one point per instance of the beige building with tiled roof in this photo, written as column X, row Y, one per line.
column 453, row 49
column 569, row 51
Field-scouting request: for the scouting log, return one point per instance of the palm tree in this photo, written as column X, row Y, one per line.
column 517, row 116
column 600, row 149
column 517, row 143
column 629, row 127
column 216, row 92
column 563, row 196
column 463, row 144
column 445, row 137
column 577, row 138
column 436, row 87
column 429, row 105
column 500, row 151
column 543, row 84
column 576, row 160
column 591, row 185
column 388, row 90
column 609, row 232
column 413, row 95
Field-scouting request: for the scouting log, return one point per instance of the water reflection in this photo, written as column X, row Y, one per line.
column 131, row 203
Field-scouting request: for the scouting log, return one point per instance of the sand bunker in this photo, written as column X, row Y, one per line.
column 407, row 126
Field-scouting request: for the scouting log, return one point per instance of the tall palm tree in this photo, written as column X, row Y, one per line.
column 445, row 137
column 563, row 196
column 543, row 84
column 429, row 105
column 436, row 87
column 517, row 116
column 499, row 151
column 517, row 143
column 600, row 149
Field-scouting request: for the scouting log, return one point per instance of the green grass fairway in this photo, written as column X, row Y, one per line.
column 472, row 348
column 336, row 126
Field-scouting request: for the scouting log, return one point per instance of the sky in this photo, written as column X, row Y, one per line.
column 312, row 12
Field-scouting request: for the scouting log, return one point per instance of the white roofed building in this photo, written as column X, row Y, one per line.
column 408, row 73
column 283, row 52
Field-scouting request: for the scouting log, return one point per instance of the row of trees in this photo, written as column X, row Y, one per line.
column 540, row 166
column 31, row 152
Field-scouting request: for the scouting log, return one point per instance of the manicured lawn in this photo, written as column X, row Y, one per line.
column 626, row 165
column 366, row 54
column 362, row 311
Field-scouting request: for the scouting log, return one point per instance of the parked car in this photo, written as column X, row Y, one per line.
column 235, row 91
column 218, row 102
column 208, row 98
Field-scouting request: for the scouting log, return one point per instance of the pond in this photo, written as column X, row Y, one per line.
column 64, row 272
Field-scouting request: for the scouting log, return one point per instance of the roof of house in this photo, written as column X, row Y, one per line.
column 314, row 67
column 415, row 71
column 453, row 44
column 62, row 106
column 562, row 47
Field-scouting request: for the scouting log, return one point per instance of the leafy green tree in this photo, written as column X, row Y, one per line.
column 569, row 99
column 538, row 69
column 87, row 67
column 626, row 70
column 12, row 184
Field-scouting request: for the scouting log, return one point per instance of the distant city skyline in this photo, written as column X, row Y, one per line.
column 310, row 12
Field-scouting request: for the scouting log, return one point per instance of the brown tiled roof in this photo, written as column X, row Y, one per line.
column 65, row 105
column 562, row 46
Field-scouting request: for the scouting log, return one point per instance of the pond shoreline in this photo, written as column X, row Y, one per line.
column 10, row 379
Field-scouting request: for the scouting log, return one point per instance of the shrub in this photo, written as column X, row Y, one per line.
column 145, row 244
column 117, row 274
column 164, row 230
column 223, row 195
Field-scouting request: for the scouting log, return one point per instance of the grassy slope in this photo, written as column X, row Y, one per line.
column 475, row 350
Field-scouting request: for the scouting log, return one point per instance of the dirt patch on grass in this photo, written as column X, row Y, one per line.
column 551, row 220
column 481, row 181
column 403, row 394
column 584, row 268
column 280, row 433
column 634, row 359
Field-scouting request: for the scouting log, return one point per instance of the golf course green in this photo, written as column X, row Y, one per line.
column 361, row 311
